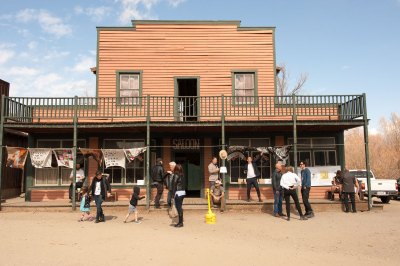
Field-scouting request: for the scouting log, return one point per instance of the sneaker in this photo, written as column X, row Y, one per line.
column 277, row 215
column 288, row 219
column 303, row 218
column 97, row 221
column 138, row 222
column 281, row 214
column 310, row 215
column 354, row 211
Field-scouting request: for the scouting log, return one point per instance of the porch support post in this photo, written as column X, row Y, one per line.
column 294, row 133
column 367, row 166
column 342, row 155
column 74, row 153
column 1, row 141
column 223, row 145
column 148, row 192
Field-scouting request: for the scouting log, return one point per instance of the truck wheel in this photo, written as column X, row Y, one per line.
column 385, row 199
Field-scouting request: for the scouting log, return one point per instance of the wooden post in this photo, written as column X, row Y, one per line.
column 1, row 140
column 294, row 133
column 223, row 145
column 148, row 192
column 74, row 153
column 367, row 166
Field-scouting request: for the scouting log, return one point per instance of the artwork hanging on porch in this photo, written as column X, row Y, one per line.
column 40, row 157
column 282, row 153
column 96, row 154
column 114, row 157
column 64, row 157
column 16, row 157
column 131, row 154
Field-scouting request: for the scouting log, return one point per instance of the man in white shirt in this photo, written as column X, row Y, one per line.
column 289, row 183
column 80, row 177
column 252, row 174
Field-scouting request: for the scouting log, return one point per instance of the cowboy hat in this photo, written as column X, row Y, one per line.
column 223, row 154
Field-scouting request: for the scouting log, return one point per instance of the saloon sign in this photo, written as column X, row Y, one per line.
column 185, row 144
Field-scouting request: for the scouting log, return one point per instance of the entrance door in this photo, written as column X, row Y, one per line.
column 187, row 105
column 190, row 162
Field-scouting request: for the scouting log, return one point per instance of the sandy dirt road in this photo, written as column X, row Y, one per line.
column 331, row 238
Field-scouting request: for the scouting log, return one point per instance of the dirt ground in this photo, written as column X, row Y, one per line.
column 330, row 238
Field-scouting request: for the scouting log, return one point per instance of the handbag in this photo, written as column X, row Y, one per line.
column 173, row 212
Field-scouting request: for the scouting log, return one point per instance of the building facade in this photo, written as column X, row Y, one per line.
column 186, row 90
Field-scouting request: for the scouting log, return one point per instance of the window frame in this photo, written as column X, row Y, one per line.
column 229, row 166
column 59, row 181
column 118, row 86
column 255, row 83
column 124, row 170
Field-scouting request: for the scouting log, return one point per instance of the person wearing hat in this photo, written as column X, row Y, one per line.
column 100, row 188
column 213, row 170
column 157, row 176
column 337, row 185
column 217, row 195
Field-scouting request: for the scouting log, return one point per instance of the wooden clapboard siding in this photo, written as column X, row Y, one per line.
column 49, row 195
column 210, row 52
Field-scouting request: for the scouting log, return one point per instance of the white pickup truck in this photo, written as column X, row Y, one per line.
column 384, row 189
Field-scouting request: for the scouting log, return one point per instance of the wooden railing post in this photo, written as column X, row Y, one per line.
column 1, row 140
column 223, row 145
column 148, row 192
column 294, row 117
column 74, row 152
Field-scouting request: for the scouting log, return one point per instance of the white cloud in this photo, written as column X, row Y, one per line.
column 26, row 71
column 95, row 13
column 32, row 45
column 5, row 55
column 136, row 9
column 49, row 23
column 55, row 54
column 46, row 81
column 345, row 67
column 175, row 3
column 373, row 130
column 84, row 64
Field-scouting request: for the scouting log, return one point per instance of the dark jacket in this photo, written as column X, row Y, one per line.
column 254, row 162
column 157, row 173
column 105, row 186
column 276, row 181
column 177, row 183
column 305, row 178
column 135, row 196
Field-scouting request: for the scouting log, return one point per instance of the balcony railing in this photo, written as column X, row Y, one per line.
column 182, row 109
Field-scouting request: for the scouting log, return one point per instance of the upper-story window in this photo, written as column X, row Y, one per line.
column 129, row 88
column 245, row 87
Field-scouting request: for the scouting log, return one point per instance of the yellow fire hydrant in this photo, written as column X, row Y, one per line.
column 211, row 218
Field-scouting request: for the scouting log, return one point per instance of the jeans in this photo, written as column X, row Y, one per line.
column 278, row 201
column 178, row 204
column 346, row 196
column 305, row 194
column 252, row 182
column 169, row 198
column 99, row 200
column 220, row 202
column 77, row 185
column 160, row 189
column 292, row 193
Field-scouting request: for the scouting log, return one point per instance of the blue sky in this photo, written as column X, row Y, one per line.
column 345, row 46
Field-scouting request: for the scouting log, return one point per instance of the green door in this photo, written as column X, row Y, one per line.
column 194, row 176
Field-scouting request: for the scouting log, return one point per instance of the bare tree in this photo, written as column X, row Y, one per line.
column 282, row 82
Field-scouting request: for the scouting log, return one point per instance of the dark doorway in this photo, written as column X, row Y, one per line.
column 190, row 162
column 187, row 99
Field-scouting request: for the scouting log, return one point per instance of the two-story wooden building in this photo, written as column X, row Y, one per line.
column 184, row 89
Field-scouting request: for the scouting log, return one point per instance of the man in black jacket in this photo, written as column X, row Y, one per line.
column 157, row 176
column 100, row 188
column 277, row 189
column 252, row 174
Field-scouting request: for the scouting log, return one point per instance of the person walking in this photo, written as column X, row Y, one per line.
column 178, row 190
column 277, row 189
column 133, row 204
column 252, row 174
column 100, row 188
column 349, row 184
column 289, row 183
column 213, row 170
column 157, row 176
column 305, row 189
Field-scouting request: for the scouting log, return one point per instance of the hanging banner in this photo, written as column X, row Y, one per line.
column 40, row 157
column 236, row 154
column 263, row 150
column 64, row 157
column 96, row 154
column 281, row 153
column 131, row 154
column 114, row 157
column 16, row 157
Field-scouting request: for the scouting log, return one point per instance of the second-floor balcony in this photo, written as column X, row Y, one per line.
column 33, row 110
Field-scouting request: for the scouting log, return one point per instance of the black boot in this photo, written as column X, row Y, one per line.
column 180, row 222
